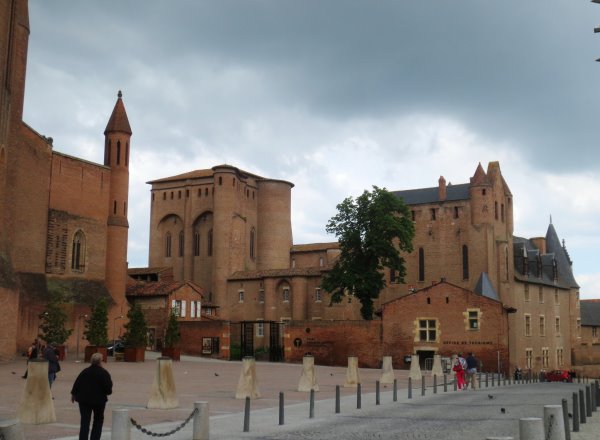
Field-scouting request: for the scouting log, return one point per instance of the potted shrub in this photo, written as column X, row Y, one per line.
column 52, row 324
column 96, row 330
column 136, row 335
column 172, row 337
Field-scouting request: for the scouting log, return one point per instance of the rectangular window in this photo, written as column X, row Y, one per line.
column 542, row 325
column 527, row 325
column 428, row 330
column 456, row 212
column 413, row 215
column 594, row 332
column 557, row 325
column 528, row 358
column 559, row 357
column 260, row 329
column 526, row 294
column 286, row 295
column 541, row 294
column 241, row 296
column 556, row 299
column 178, row 307
column 261, row 296
column 473, row 319
column 317, row 295
column 545, row 357
column 579, row 328
column 432, row 213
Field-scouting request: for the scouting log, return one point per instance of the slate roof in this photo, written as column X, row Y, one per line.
column 197, row 174
column 590, row 312
column 485, row 288
column 422, row 196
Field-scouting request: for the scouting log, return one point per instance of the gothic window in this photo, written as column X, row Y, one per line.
column 196, row 244
column 496, row 210
column 252, row 234
column 502, row 212
column 286, row 294
column 126, row 154
column 181, row 243
column 115, row 207
column 421, row 264
column 210, row 243
column 465, row 262
column 168, row 245
column 118, row 152
column 78, row 253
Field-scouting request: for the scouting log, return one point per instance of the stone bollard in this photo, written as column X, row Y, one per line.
column 387, row 370
column 308, row 379
column 415, row 368
column 554, row 424
column 436, row 370
column 200, row 427
column 163, row 394
column 352, row 375
column 11, row 429
column 36, row 406
column 121, row 425
column 248, row 384
column 531, row 428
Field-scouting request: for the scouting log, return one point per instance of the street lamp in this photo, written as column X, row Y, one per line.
column 78, row 332
column 114, row 334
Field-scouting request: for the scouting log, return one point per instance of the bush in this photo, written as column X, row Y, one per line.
column 172, row 334
column 97, row 325
column 136, row 334
column 53, row 320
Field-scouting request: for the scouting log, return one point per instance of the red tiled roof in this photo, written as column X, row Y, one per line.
column 118, row 119
column 272, row 273
column 159, row 288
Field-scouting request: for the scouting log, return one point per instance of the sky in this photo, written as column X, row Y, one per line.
column 335, row 96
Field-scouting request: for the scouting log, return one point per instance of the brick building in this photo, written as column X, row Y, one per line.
column 63, row 220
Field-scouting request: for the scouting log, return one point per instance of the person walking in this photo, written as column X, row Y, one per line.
column 472, row 364
column 32, row 353
column 459, row 369
column 52, row 357
column 90, row 391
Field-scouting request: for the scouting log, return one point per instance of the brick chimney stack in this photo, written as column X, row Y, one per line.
column 442, row 188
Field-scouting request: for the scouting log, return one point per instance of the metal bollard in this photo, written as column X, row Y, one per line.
column 337, row 399
column 311, row 410
column 200, row 426
column 493, row 379
column 565, row 410
column 377, row 395
column 582, row 411
column 575, row 412
column 422, row 385
column 435, row 384
column 486, row 379
column 247, row 415
column 395, row 394
column 478, row 379
column 588, row 401
column 281, row 408
column 358, row 396
column 593, row 397
column 504, row 380
column 455, row 383
column 445, row 383
column 121, row 424
column 409, row 388
column 531, row 428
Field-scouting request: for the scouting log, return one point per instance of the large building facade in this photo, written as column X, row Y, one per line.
column 63, row 220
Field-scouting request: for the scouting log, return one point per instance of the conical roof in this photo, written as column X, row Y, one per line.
column 563, row 263
column 118, row 120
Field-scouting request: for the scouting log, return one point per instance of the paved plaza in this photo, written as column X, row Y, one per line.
column 452, row 415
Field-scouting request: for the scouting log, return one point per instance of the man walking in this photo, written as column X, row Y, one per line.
column 472, row 364
column 90, row 390
column 53, row 365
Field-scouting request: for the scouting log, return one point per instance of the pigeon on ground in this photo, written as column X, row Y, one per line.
column 216, row 374
column 503, row 410
column 490, row 396
column 570, row 415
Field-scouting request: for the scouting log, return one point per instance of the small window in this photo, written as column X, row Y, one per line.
column 541, row 294
column 483, row 192
column 447, row 300
column 171, row 195
column 502, row 212
column 318, row 295
column 413, row 215
column 496, row 210
column 293, row 263
column 153, row 196
column 168, row 245
column 432, row 213
column 528, row 358
column 205, row 191
column 594, row 332
column 164, row 196
column 241, row 296
column 187, row 193
column 456, row 212
column 199, row 192
column 473, row 320
column 321, row 262
column 542, row 325
column 465, row 262
column 579, row 327
column 393, row 276
column 115, row 207
column 421, row 264
column 557, row 325
column 118, row 152
column 220, row 181
column 286, row 294
column 556, row 298
column 428, row 300
column 252, row 234
column 261, row 296
column 527, row 325
column 179, row 194
column 260, row 329
column 526, row 292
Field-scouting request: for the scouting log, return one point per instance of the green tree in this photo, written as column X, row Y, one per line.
column 96, row 326
column 53, row 321
column 371, row 232
column 172, row 335
column 136, row 330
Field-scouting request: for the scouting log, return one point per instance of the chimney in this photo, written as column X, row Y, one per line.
column 442, row 188
column 540, row 243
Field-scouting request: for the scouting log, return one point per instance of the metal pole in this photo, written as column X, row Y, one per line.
column 247, row 415
column 435, row 384
column 445, row 384
column 493, row 379
column 395, row 394
column 582, row 411
column 422, row 385
column 575, row 413
column 337, row 399
column 486, row 379
column 565, row 410
column 377, row 397
column 410, row 388
column 311, row 412
column 588, row 401
column 200, row 427
column 358, row 396
column 281, row 408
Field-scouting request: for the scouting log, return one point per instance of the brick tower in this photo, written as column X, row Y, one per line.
column 116, row 156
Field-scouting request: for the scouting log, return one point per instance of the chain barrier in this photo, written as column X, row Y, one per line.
column 162, row 434
column 550, row 426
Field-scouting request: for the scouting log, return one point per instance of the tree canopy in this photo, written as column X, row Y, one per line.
column 96, row 325
column 53, row 321
column 372, row 231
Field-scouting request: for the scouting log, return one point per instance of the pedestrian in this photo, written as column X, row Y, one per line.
column 52, row 358
column 90, row 391
column 459, row 369
column 472, row 364
column 32, row 353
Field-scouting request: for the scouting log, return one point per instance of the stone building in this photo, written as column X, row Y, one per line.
column 588, row 353
column 63, row 220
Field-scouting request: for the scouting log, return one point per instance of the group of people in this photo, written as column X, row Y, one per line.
column 49, row 353
column 466, row 371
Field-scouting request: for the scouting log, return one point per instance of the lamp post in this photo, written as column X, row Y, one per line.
column 115, row 333
column 78, row 333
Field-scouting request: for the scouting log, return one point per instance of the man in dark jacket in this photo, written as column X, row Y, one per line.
column 51, row 356
column 90, row 390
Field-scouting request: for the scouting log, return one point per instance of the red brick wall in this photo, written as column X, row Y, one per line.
column 193, row 332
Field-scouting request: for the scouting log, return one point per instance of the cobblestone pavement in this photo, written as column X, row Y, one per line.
column 452, row 415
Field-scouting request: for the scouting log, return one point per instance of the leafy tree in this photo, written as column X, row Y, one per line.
column 172, row 335
column 97, row 324
column 371, row 232
column 136, row 334
column 53, row 320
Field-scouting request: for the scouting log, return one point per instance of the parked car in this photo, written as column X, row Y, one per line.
column 559, row 376
column 118, row 347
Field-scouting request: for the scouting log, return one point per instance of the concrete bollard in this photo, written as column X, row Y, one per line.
column 11, row 430
column 248, row 384
column 36, row 406
column 311, row 405
column 436, row 369
column 163, row 394
column 531, row 428
column 308, row 379
column 377, row 393
column 422, row 385
column 409, row 388
column 352, row 375
column 554, row 424
column 358, row 396
column 200, row 426
column 337, row 399
column 121, row 424
column 395, row 393
column 415, row 368
column 387, row 370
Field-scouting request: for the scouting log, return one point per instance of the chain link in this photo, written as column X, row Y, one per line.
column 162, row 434
column 550, row 426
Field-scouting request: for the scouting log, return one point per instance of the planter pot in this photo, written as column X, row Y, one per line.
column 173, row 352
column 91, row 349
column 135, row 354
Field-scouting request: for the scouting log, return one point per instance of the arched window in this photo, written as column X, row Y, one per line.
column 78, row 253
column 210, row 243
column 252, row 233
column 181, row 241
column 421, row 264
column 118, row 152
column 126, row 154
column 196, row 244
column 168, row 245
column 465, row 262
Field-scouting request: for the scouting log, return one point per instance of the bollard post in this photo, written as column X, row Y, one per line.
column 487, row 379
column 121, row 424
column 582, row 411
column 493, row 379
column 337, row 399
column 377, row 396
column 592, row 398
column 478, row 379
column 11, row 430
column 554, row 425
column 565, row 410
column 423, row 386
column 200, row 426
column 409, row 388
column 588, row 401
column 504, row 380
column 435, row 384
column 445, row 383
column 455, row 383
column 358, row 396
column 499, row 438
column 575, row 413
column 531, row 428
column 395, row 393
column 247, row 415
column 281, row 408
column 597, row 393
column 311, row 411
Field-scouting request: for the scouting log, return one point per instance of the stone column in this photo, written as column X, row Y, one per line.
column 248, row 385
column 352, row 375
column 531, row 428
column 387, row 370
column 163, row 394
column 308, row 379
column 36, row 406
